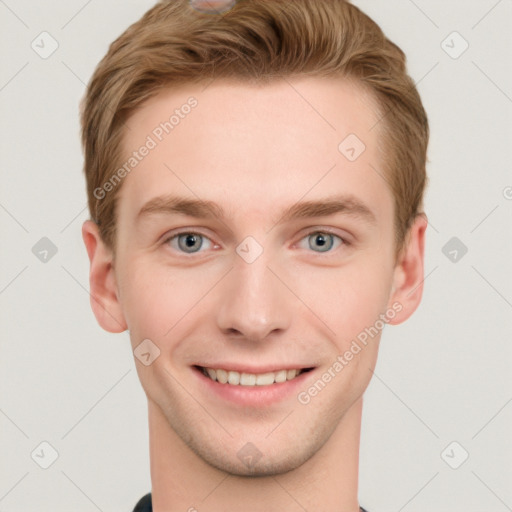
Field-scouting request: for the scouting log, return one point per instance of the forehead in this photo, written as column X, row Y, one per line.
column 252, row 146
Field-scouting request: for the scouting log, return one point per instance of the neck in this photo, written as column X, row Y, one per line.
column 182, row 481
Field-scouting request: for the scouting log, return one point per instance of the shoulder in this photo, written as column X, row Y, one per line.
column 144, row 504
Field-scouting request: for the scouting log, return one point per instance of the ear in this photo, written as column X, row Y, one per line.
column 103, row 288
column 408, row 277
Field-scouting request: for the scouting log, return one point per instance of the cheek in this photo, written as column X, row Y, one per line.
column 152, row 301
column 159, row 302
column 348, row 300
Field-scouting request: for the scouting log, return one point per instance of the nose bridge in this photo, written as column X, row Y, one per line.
column 253, row 302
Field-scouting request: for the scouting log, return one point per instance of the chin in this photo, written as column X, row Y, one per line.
column 261, row 458
column 232, row 465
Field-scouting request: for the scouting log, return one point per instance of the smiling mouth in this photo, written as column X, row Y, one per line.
column 234, row 378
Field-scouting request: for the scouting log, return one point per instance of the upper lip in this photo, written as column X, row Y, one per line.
column 241, row 368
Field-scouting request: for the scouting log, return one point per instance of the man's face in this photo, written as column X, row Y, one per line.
column 258, row 289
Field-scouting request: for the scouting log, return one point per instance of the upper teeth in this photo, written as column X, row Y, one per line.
column 250, row 379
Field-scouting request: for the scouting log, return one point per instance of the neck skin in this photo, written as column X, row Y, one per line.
column 183, row 482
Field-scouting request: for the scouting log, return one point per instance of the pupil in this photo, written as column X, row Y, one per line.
column 190, row 240
column 321, row 240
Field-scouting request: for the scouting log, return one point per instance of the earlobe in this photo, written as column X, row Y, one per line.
column 103, row 287
column 407, row 286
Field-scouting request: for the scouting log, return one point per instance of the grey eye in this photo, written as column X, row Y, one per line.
column 321, row 242
column 188, row 242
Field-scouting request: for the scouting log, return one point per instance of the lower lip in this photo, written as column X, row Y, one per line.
column 255, row 396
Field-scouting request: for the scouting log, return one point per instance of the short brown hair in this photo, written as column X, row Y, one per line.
column 256, row 40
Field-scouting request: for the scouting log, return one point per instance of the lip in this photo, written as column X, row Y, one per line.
column 236, row 367
column 253, row 396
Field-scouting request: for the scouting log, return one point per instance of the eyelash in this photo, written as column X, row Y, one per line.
column 344, row 241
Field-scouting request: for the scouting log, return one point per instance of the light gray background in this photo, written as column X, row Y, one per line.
column 442, row 376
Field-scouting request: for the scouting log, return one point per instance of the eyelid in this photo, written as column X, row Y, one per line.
column 343, row 243
column 184, row 231
column 344, row 237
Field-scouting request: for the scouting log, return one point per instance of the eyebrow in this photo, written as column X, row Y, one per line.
column 201, row 209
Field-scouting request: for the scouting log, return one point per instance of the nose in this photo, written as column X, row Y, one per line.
column 254, row 304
